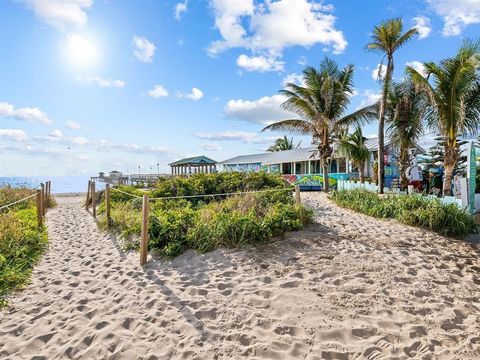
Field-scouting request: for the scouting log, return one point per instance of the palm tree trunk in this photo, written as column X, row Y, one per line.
column 403, row 169
column 326, row 184
column 360, row 172
column 449, row 164
column 381, row 125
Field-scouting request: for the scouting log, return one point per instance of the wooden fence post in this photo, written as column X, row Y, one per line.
column 39, row 209
column 107, row 203
column 144, row 238
column 94, row 206
column 42, row 189
column 298, row 200
column 88, row 193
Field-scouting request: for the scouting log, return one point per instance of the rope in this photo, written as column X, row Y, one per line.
column 214, row 195
column 16, row 202
column 126, row 193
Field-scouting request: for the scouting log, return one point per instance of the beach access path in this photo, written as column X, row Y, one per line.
column 349, row 286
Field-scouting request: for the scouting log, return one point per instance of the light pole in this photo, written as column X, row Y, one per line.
column 158, row 169
column 150, row 170
column 139, row 170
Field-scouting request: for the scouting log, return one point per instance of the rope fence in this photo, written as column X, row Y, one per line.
column 91, row 199
column 42, row 196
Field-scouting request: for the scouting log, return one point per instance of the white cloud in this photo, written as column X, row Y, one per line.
column 13, row 134
column 259, row 63
column 417, row 65
column 73, row 125
column 195, row 94
column 270, row 27
column 244, row 136
column 144, row 49
column 379, row 72
column 105, row 145
column 180, row 8
column 97, row 80
column 423, row 26
column 24, row 114
column 293, row 78
column 262, row 111
column 209, row 146
column 60, row 13
column 157, row 92
column 457, row 14
column 56, row 134
column 369, row 97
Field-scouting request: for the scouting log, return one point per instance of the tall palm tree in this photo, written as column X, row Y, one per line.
column 321, row 105
column 353, row 147
column 453, row 91
column 387, row 38
column 405, row 126
column 282, row 144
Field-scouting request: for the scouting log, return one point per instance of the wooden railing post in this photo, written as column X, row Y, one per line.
column 94, row 206
column 49, row 190
column 298, row 200
column 144, row 238
column 107, row 203
column 42, row 187
column 88, row 194
column 39, row 209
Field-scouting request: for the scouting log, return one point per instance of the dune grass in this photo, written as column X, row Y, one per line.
column 21, row 242
column 206, row 223
column 415, row 210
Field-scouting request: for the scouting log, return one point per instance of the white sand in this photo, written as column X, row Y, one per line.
column 347, row 287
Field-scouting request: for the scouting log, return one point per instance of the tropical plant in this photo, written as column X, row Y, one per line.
column 405, row 126
column 387, row 38
column 453, row 91
column 352, row 146
column 282, row 144
column 415, row 210
column 321, row 105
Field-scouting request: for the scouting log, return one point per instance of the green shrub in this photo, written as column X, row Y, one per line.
column 205, row 223
column 415, row 210
column 21, row 246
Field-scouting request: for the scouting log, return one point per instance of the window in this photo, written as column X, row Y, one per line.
column 286, row 168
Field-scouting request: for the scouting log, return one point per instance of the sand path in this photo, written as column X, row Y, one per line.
column 347, row 287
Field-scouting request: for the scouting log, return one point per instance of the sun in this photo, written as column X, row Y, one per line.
column 81, row 51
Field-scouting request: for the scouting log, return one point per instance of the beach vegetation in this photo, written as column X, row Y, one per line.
column 282, row 144
column 205, row 223
column 22, row 243
column 414, row 210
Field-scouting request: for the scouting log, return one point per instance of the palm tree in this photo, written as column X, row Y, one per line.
column 321, row 105
column 453, row 91
column 352, row 146
column 387, row 38
column 405, row 109
column 282, row 144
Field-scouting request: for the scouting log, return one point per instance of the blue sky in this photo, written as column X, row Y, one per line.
column 91, row 85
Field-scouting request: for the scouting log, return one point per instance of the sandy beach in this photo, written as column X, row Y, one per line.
column 347, row 287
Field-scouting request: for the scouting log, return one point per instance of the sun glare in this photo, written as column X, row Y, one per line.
column 81, row 51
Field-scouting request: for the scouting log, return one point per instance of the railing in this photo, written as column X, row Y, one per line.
column 42, row 196
column 91, row 199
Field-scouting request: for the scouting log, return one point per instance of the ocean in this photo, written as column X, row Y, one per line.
column 60, row 184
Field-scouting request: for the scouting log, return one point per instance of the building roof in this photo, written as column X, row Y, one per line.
column 197, row 160
column 276, row 157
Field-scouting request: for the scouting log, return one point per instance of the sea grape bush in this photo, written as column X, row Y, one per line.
column 414, row 210
column 206, row 223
